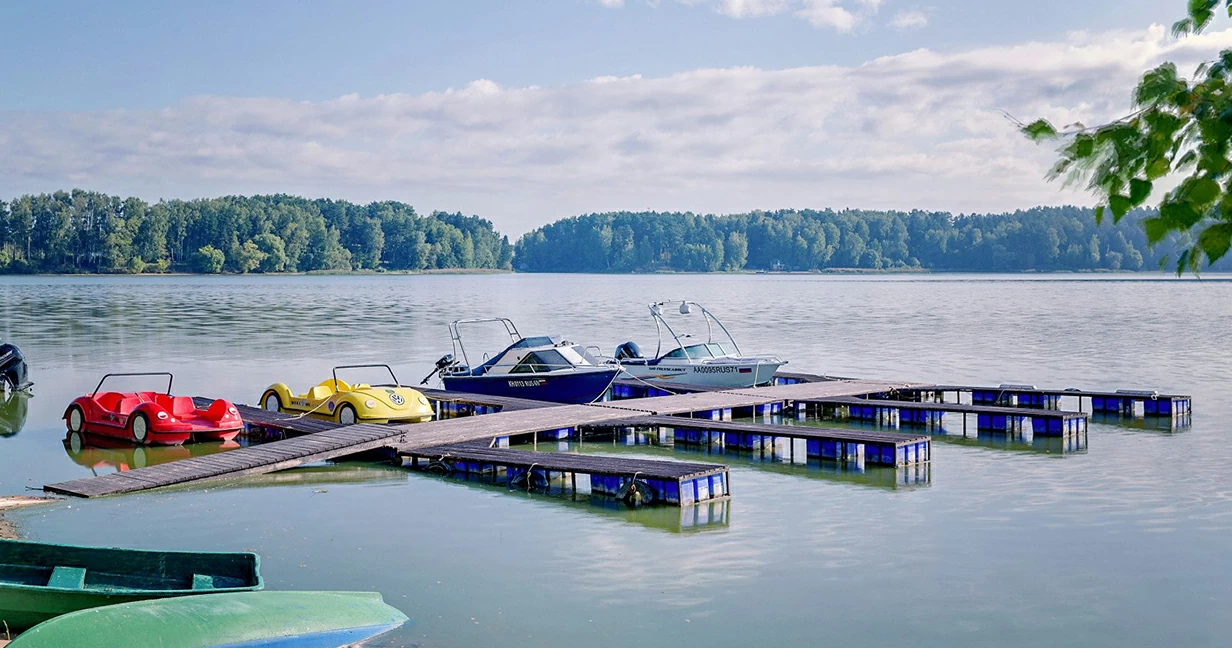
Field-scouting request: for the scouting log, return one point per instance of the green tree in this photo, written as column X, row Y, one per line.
column 209, row 259
column 273, row 251
column 1179, row 129
column 247, row 257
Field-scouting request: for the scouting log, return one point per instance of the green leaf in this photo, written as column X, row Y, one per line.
column 1083, row 146
column 1201, row 191
column 1156, row 229
column 1039, row 130
column 1182, row 27
column 1099, row 215
column 1139, row 191
column 1181, row 262
column 1157, row 169
column 1178, row 214
column 1158, row 85
column 1215, row 241
column 1119, row 205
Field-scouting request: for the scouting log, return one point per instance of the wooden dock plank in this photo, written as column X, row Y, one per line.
column 960, row 408
column 334, row 443
column 1070, row 391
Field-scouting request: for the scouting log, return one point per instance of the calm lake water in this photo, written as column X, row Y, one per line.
column 1000, row 542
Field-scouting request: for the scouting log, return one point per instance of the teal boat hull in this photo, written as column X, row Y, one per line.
column 237, row 620
column 39, row 581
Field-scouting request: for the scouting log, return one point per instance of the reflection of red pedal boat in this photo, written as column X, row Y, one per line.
column 101, row 452
column 151, row 417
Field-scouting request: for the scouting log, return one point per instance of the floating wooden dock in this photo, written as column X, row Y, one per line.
column 654, row 481
column 332, row 443
column 320, row 440
column 1122, row 401
column 1044, row 422
column 839, row 444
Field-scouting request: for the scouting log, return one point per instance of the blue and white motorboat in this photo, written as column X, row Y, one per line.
column 542, row 368
column 691, row 360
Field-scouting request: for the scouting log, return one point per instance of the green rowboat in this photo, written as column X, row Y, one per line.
column 39, row 581
column 243, row 619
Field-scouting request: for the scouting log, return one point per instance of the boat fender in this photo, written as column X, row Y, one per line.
column 635, row 493
column 439, row 466
column 531, row 480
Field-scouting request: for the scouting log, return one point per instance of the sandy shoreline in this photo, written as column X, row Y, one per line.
column 7, row 530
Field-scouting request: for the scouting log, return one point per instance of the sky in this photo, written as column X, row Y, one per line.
column 526, row 112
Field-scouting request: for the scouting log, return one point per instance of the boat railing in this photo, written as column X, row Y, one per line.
column 539, row 368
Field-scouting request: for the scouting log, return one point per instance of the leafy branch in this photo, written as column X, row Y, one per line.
column 1179, row 128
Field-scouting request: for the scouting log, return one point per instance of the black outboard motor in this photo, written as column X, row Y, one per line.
column 628, row 351
column 13, row 367
column 445, row 361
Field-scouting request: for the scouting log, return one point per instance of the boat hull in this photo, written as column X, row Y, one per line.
column 706, row 375
column 566, row 387
column 39, row 581
column 244, row 619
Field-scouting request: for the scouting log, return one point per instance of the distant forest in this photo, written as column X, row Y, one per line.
column 1039, row 239
column 83, row 231
column 89, row 232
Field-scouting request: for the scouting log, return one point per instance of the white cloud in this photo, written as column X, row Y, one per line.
column 819, row 13
column 827, row 13
column 909, row 20
column 751, row 8
column 918, row 129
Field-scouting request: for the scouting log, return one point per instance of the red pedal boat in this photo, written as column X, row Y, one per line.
column 151, row 417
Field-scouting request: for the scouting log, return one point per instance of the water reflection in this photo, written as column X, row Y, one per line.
column 13, row 409
column 1155, row 423
column 704, row 516
column 780, row 457
column 109, row 454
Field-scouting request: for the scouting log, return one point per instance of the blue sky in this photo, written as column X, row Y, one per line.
column 712, row 105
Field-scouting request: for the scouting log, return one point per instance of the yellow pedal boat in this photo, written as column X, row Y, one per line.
column 347, row 403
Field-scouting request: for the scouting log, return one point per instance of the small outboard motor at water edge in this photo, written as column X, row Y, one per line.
column 628, row 351
column 13, row 373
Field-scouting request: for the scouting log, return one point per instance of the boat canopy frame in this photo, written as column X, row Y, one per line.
column 686, row 308
column 455, row 333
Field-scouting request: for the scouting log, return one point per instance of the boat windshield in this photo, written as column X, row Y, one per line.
column 717, row 349
column 693, row 351
column 541, row 362
column 586, row 355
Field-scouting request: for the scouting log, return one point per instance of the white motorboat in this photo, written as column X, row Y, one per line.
column 692, row 360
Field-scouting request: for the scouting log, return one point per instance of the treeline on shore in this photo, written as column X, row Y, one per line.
column 84, row 231
column 1039, row 239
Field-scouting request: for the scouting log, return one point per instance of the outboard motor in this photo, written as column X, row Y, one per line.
column 13, row 367
column 628, row 351
column 445, row 361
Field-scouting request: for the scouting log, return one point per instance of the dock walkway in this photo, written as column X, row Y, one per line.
column 522, row 418
column 988, row 417
column 873, row 447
